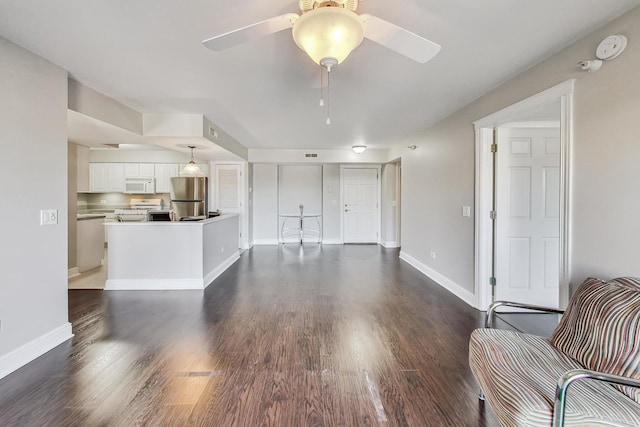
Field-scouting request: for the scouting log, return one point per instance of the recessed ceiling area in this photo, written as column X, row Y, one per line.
column 149, row 55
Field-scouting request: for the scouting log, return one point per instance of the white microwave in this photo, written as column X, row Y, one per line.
column 140, row 185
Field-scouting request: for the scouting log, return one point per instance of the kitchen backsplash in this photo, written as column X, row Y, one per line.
column 110, row 201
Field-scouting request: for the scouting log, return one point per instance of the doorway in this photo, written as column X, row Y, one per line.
column 527, row 223
column 491, row 259
column 360, row 204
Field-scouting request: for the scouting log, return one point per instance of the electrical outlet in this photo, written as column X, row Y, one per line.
column 48, row 217
column 433, row 254
column 466, row 211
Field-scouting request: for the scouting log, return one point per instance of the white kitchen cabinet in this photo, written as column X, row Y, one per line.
column 139, row 170
column 147, row 170
column 82, row 169
column 115, row 177
column 131, row 170
column 163, row 174
column 99, row 177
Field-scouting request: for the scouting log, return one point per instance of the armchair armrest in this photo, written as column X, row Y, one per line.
column 488, row 323
column 574, row 375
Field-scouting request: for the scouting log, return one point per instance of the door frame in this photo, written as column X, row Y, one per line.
column 243, row 239
column 378, row 168
column 484, row 186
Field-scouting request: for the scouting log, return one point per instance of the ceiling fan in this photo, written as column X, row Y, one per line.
column 328, row 31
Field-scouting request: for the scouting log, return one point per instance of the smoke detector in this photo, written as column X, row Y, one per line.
column 611, row 47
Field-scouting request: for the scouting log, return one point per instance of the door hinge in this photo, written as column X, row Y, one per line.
column 493, row 215
column 492, row 281
column 494, row 148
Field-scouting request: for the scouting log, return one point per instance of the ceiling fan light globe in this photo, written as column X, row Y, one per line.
column 328, row 32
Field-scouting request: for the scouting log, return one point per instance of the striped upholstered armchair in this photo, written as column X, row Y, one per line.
column 595, row 349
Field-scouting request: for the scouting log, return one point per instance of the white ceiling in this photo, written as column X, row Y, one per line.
column 148, row 55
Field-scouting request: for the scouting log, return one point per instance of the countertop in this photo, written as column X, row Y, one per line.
column 171, row 223
column 82, row 217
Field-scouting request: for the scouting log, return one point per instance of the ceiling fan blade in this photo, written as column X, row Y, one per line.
column 251, row 32
column 398, row 39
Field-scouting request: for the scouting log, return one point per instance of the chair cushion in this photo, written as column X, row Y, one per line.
column 518, row 374
column 601, row 328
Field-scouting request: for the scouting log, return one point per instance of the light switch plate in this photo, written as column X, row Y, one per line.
column 466, row 211
column 48, row 217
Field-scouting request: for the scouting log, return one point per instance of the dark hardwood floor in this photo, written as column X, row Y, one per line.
column 288, row 336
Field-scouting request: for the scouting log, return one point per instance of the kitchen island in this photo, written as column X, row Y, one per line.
column 170, row 255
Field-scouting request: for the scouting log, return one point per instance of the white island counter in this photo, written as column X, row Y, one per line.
column 170, row 255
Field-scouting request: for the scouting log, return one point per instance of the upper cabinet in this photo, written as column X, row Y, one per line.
column 106, row 177
column 139, row 170
column 163, row 174
column 99, row 176
column 116, row 177
column 110, row 177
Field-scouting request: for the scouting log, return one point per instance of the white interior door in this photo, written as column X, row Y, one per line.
column 360, row 205
column 227, row 188
column 528, row 215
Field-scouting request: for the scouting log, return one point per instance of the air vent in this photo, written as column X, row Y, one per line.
column 311, row 155
column 213, row 132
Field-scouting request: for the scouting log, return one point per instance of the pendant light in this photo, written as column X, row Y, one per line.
column 191, row 169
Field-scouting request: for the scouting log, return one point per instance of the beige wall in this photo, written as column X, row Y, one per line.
column 331, row 209
column 388, row 209
column 72, row 204
column 33, row 258
column 87, row 101
column 438, row 177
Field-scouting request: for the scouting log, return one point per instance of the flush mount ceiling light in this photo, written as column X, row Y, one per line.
column 191, row 169
column 359, row 149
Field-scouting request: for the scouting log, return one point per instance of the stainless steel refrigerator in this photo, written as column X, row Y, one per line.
column 189, row 198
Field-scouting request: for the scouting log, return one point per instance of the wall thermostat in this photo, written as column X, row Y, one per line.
column 611, row 47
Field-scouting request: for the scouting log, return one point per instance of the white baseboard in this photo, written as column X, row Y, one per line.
column 332, row 242
column 389, row 245
column 153, row 284
column 220, row 269
column 170, row 284
column 33, row 349
column 73, row 272
column 441, row 280
column 264, row 242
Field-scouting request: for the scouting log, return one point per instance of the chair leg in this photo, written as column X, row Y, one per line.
column 481, row 396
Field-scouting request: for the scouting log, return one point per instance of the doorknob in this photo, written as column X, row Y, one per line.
column 347, row 210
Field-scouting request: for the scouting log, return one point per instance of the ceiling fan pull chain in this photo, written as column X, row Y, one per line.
column 321, row 82
column 328, row 95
